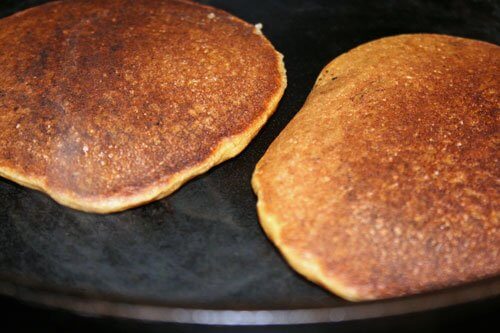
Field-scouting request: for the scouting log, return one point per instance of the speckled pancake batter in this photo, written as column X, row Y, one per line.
column 106, row 105
column 386, row 183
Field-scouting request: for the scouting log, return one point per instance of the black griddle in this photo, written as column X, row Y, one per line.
column 199, row 256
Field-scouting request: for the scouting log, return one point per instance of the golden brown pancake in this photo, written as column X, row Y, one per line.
column 386, row 181
column 106, row 105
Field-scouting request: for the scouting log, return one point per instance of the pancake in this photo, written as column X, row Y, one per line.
column 386, row 181
column 106, row 105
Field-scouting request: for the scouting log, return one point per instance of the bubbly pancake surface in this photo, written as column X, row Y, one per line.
column 106, row 105
column 386, row 182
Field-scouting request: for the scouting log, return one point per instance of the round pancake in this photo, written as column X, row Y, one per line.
column 386, row 181
column 106, row 105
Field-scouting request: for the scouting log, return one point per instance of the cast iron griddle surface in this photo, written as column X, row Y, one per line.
column 202, row 247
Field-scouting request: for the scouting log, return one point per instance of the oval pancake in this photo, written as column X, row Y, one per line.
column 386, row 181
column 106, row 105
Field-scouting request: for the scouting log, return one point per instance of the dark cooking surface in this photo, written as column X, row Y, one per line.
column 202, row 246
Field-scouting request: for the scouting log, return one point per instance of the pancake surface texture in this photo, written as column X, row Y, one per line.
column 386, row 181
column 106, row 105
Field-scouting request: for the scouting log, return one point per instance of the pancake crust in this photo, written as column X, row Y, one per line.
column 386, row 181
column 106, row 105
